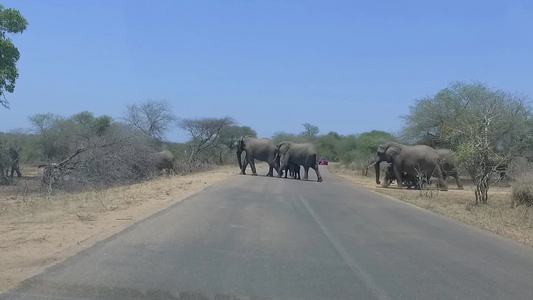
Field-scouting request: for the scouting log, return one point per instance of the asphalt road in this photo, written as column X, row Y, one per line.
column 269, row 238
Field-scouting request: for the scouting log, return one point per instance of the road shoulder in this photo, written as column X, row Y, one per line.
column 39, row 232
column 497, row 216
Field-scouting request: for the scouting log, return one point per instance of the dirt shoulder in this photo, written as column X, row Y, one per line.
column 37, row 231
column 497, row 216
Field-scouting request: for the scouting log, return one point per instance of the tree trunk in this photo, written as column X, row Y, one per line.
column 482, row 189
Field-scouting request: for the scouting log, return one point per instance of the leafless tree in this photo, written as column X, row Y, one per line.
column 43, row 122
column 119, row 155
column 153, row 117
column 204, row 132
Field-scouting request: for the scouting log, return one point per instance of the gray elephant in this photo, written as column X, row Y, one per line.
column 303, row 154
column 257, row 149
column 293, row 170
column 9, row 162
column 15, row 158
column 448, row 164
column 164, row 160
column 414, row 160
column 409, row 181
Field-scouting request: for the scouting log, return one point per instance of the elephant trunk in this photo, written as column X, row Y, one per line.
column 239, row 152
column 377, row 161
column 376, row 165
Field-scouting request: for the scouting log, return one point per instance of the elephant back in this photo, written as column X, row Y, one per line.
column 164, row 160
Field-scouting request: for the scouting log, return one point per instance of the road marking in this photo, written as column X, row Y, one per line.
column 359, row 272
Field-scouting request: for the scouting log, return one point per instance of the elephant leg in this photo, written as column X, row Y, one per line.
column 254, row 172
column 251, row 161
column 283, row 165
column 306, row 172
column 244, row 165
column 442, row 184
column 398, row 176
column 458, row 181
column 270, row 170
column 317, row 171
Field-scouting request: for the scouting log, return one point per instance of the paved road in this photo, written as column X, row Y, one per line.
column 269, row 238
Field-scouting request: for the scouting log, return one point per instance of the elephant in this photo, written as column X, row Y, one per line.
column 15, row 158
column 293, row 170
column 164, row 160
column 9, row 162
column 409, row 181
column 413, row 160
column 447, row 164
column 303, row 154
column 257, row 149
column 499, row 166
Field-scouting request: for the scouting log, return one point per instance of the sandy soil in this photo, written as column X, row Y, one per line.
column 497, row 216
column 39, row 230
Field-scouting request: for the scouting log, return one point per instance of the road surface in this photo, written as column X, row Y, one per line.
column 268, row 238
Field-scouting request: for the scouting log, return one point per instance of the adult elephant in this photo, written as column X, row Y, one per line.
column 303, row 154
column 9, row 164
column 448, row 164
column 15, row 159
column 164, row 160
column 413, row 160
column 257, row 149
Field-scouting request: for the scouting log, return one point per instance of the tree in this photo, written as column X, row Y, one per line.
column 230, row 135
column 327, row 145
column 310, row 130
column 367, row 144
column 486, row 127
column 204, row 132
column 11, row 21
column 153, row 117
column 43, row 122
column 58, row 137
column 281, row 136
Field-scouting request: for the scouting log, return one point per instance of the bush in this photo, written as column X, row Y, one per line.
column 522, row 192
column 121, row 155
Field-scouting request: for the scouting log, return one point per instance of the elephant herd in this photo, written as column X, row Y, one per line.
column 413, row 166
column 410, row 166
column 285, row 157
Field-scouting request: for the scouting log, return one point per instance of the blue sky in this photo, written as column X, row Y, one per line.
column 345, row 66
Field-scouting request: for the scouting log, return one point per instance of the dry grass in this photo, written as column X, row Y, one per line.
column 38, row 229
column 497, row 216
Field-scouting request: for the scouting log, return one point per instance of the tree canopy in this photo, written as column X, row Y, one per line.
column 11, row 21
column 153, row 117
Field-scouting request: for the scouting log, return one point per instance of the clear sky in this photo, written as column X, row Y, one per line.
column 345, row 66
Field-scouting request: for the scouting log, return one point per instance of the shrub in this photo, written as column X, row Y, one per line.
column 121, row 155
column 522, row 192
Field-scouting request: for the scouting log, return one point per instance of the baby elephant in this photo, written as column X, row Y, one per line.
column 409, row 181
column 293, row 170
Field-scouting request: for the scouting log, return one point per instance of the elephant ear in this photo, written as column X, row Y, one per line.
column 285, row 145
column 241, row 144
column 393, row 150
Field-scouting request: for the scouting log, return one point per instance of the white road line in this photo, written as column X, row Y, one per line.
column 359, row 272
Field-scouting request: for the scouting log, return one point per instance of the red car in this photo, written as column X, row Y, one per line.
column 323, row 161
